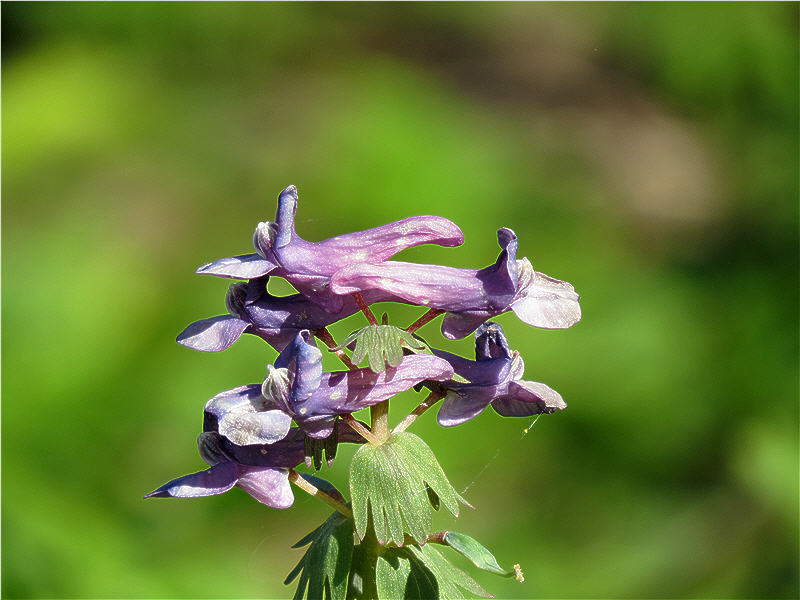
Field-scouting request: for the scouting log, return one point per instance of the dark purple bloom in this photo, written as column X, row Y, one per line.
column 308, row 266
column 297, row 384
column 261, row 470
column 471, row 296
column 276, row 319
column 494, row 378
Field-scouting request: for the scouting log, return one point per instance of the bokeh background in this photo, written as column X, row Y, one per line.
column 645, row 153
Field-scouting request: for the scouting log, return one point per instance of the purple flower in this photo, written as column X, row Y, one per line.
column 471, row 296
column 275, row 319
column 313, row 399
column 261, row 469
column 308, row 266
column 494, row 378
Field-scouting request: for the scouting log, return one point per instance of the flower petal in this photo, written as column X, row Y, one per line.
column 287, row 453
column 211, row 446
column 457, row 325
column 434, row 286
column 212, row 335
column 381, row 243
column 491, row 342
column 437, row 286
column 267, row 485
column 304, row 360
column 526, row 398
column 244, row 266
column 216, row 480
column 284, row 218
column 465, row 403
column 256, row 428
column 481, row 372
column 501, row 278
column 545, row 302
column 278, row 319
column 245, row 417
column 308, row 266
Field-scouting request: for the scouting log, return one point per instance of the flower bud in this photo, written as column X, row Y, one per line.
column 264, row 239
column 235, row 298
column 276, row 387
column 211, row 449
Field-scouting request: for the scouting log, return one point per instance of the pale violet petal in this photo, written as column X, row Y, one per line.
column 212, row 335
column 545, row 302
column 245, row 266
column 267, row 485
column 244, row 429
column 216, row 480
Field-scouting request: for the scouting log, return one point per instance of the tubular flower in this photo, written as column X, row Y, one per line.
column 494, row 378
column 275, row 319
column 308, row 266
column 314, row 399
column 261, row 470
column 470, row 296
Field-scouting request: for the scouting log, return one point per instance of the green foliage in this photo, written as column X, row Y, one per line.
column 382, row 345
column 451, row 579
column 422, row 573
column 390, row 483
column 476, row 552
column 325, row 566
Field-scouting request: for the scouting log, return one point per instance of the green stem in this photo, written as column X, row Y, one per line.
column 380, row 420
column 366, row 563
column 324, row 335
column 427, row 317
column 313, row 490
column 432, row 399
column 364, row 307
column 362, row 430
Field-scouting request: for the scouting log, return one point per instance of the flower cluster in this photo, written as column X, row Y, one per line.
column 255, row 435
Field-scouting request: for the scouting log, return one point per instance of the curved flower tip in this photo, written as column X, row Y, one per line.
column 303, row 360
column 212, row 335
column 287, row 209
column 268, row 485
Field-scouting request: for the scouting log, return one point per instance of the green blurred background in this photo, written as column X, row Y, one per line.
column 645, row 153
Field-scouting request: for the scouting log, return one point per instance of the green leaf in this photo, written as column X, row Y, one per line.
column 382, row 345
column 324, row 567
column 399, row 575
column 390, row 482
column 477, row 553
column 414, row 343
column 422, row 573
column 451, row 580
